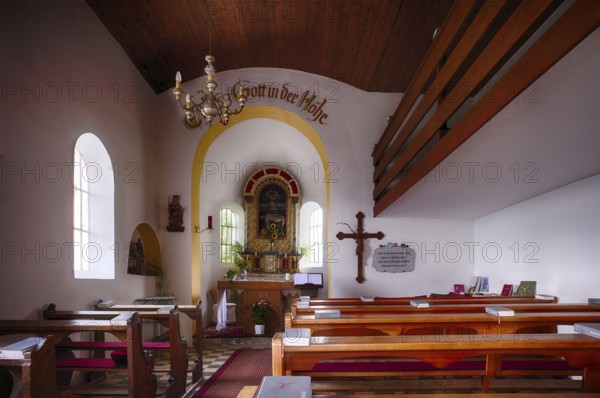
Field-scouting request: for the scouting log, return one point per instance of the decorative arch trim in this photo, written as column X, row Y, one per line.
column 268, row 174
column 209, row 136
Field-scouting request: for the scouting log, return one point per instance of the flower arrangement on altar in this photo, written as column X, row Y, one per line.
column 260, row 309
column 271, row 231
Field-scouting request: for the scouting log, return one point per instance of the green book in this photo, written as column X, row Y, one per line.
column 526, row 288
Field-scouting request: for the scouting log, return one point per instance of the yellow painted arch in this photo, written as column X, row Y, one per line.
column 211, row 134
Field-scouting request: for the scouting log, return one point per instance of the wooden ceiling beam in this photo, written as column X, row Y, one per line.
column 456, row 17
column 503, row 41
column 575, row 25
column 483, row 20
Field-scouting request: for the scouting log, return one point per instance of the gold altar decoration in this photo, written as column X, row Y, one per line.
column 272, row 200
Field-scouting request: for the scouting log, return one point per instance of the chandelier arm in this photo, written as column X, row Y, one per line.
column 181, row 103
column 192, row 124
column 212, row 104
column 237, row 111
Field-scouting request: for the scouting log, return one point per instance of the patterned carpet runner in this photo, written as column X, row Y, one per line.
column 244, row 367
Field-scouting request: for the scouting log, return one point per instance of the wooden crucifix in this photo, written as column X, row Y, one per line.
column 359, row 236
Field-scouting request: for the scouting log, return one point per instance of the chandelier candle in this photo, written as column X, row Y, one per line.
column 212, row 105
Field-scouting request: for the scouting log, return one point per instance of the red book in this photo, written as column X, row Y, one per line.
column 507, row 290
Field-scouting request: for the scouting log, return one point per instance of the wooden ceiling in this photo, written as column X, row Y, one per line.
column 374, row 45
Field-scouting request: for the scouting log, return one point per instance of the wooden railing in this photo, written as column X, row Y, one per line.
column 472, row 45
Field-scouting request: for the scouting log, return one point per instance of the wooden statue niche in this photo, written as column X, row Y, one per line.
column 272, row 200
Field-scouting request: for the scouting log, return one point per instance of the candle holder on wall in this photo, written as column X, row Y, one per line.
column 198, row 230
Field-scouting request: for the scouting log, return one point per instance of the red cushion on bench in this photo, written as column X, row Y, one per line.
column 93, row 344
column 393, row 366
column 106, row 363
column 417, row 366
column 110, row 345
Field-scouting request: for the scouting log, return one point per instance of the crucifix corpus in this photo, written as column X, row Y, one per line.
column 359, row 236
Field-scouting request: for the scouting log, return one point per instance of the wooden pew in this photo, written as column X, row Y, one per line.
column 444, row 324
column 36, row 373
column 170, row 320
column 579, row 350
column 495, row 395
column 440, row 299
column 141, row 379
column 194, row 312
column 434, row 307
column 250, row 392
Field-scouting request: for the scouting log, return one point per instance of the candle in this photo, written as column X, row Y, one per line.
column 210, row 222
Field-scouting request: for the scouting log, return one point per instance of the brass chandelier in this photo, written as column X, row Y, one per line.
column 212, row 104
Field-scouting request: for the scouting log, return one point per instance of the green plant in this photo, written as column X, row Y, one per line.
column 230, row 274
column 160, row 285
column 302, row 251
column 239, row 260
column 260, row 309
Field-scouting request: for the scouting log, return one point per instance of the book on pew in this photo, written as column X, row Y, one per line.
column 284, row 387
column 105, row 304
column 20, row 349
column 594, row 301
column 296, row 337
column 544, row 297
column 302, row 304
column 327, row 314
column 367, row 298
column 419, row 303
column 589, row 329
column 507, row 290
column 304, row 298
column 526, row 288
column 499, row 311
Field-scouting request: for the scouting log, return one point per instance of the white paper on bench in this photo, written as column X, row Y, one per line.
column 589, row 329
column 499, row 311
column 17, row 350
column 327, row 314
column 284, row 387
column 296, row 337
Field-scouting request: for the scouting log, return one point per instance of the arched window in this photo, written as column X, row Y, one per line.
column 311, row 234
column 81, row 211
column 93, row 210
column 231, row 226
column 315, row 236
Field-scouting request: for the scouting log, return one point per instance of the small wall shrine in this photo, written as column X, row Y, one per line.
column 272, row 199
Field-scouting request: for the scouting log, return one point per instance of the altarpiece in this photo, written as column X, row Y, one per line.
column 272, row 206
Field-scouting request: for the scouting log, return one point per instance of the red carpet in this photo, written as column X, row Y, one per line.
column 243, row 368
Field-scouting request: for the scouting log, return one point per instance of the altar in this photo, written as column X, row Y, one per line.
column 270, row 254
column 278, row 292
column 272, row 200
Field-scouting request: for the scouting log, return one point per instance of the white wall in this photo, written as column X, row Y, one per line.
column 64, row 75
column 354, row 124
column 233, row 157
column 443, row 258
column 553, row 239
